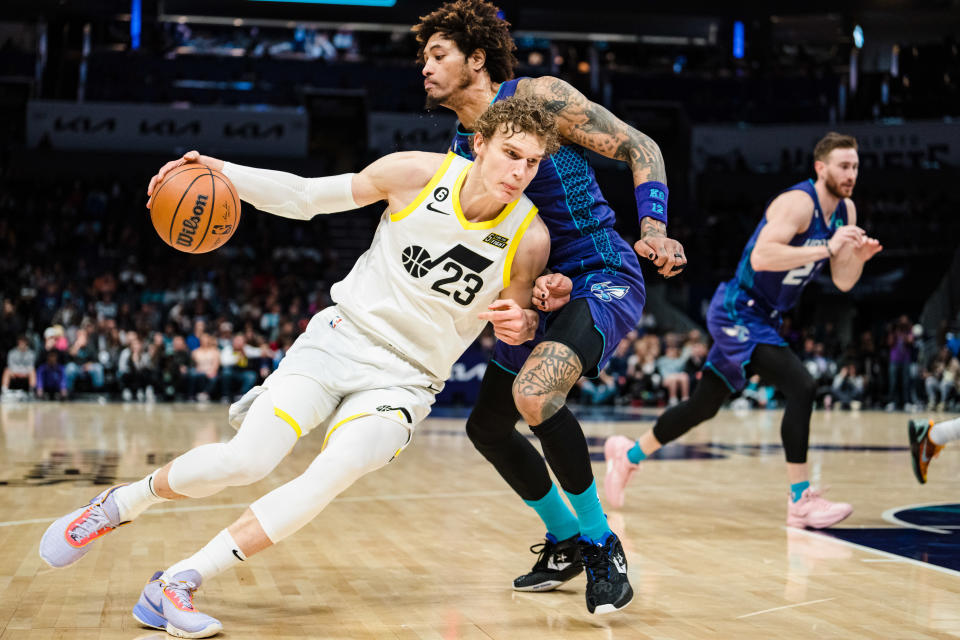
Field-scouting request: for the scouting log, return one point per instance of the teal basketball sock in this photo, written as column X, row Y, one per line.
column 593, row 522
column 556, row 515
column 797, row 489
column 636, row 454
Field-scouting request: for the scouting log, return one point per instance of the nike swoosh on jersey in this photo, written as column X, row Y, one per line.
column 431, row 208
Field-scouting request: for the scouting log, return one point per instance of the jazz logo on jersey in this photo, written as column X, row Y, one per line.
column 607, row 292
column 462, row 265
column 738, row 332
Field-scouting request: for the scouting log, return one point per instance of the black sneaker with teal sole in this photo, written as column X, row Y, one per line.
column 558, row 562
column 608, row 588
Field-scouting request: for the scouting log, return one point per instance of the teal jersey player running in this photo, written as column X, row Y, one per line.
column 802, row 228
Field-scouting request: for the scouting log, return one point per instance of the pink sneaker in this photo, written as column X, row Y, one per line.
column 814, row 511
column 619, row 469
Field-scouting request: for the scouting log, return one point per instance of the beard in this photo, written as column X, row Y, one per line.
column 433, row 101
column 835, row 189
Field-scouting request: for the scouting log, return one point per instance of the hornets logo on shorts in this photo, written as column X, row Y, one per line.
column 607, row 292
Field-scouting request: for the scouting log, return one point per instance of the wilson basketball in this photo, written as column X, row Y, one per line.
column 195, row 209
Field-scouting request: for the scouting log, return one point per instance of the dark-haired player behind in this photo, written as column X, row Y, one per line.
column 468, row 61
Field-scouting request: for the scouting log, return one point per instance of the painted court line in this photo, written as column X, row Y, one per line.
column 889, row 516
column 786, row 606
column 215, row 507
column 885, row 554
column 882, row 559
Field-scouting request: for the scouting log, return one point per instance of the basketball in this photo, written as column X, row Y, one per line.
column 195, row 209
column 416, row 261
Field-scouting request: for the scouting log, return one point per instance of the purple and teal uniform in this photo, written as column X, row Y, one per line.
column 583, row 246
column 746, row 311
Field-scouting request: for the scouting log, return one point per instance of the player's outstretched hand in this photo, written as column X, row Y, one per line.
column 552, row 291
column 869, row 248
column 847, row 235
column 510, row 323
column 189, row 156
column 665, row 253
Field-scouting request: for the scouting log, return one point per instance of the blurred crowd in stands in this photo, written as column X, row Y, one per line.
column 774, row 82
column 95, row 305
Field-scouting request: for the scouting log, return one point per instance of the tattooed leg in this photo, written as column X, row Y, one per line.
column 541, row 387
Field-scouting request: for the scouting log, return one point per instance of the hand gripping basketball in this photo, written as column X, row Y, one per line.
column 193, row 206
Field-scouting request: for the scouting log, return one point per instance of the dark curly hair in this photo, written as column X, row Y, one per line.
column 472, row 25
column 520, row 115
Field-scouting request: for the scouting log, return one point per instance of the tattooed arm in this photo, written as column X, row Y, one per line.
column 593, row 127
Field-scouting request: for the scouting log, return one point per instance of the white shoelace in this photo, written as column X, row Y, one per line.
column 183, row 590
column 95, row 520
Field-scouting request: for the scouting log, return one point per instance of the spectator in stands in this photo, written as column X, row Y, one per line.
column 175, row 370
column 940, row 379
column 135, row 370
column 900, row 342
column 672, row 369
column 846, row 389
column 206, row 367
column 238, row 371
column 51, row 377
column 194, row 339
column 20, row 372
column 83, row 365
column 642, row 373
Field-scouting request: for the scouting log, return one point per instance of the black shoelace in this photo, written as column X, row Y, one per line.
column 596, row 559
column 544, row 548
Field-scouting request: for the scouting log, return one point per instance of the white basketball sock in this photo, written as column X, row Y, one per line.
column 135, row 498
column 944, row 432
column 217, row 556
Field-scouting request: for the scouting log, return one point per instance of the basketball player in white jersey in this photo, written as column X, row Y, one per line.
column 458, row 245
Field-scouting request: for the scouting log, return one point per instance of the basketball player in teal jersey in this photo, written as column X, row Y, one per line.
column 468, row 62
column 802, row 229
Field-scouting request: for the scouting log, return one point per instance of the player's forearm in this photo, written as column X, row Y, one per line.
column 774, row 256
column 845, row 271
column 531, row 321
column 289, row 195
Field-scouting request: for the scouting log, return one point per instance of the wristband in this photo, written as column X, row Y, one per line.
column 652, row 200
column 829, row 252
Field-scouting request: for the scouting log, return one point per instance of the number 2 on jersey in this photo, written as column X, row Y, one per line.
column 797, row 276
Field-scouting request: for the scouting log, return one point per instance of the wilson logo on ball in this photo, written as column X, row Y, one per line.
column 185, row 239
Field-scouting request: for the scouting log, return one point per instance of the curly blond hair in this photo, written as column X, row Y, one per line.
column 520, row 115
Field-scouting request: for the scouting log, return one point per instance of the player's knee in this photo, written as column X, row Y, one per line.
column 803, row 388
column 244, row 465
column 537, row 407
column 706, row 413
column 486, row 428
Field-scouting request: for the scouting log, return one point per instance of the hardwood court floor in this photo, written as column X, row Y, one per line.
column 427, row 547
